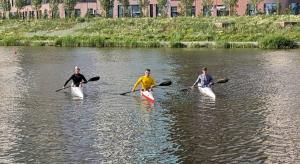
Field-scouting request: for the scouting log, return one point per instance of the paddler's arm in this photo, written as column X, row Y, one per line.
column 211, row 81
column 197, row 81
column 136, row 84
column 153, row 83
column 83, row 79
column 68, row 81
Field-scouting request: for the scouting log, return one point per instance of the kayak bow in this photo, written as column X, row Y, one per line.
column 148, row 95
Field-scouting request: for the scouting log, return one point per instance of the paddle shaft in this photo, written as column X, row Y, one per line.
column 91, row 79
column 166, row 83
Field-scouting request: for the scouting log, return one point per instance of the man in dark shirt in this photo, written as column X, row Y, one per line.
column 77, row 78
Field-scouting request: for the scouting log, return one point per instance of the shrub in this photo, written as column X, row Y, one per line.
column 277, row 42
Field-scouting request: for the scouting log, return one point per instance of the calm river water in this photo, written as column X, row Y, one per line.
column 254, row 119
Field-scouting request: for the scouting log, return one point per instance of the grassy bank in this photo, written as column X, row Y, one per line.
column 153, row 32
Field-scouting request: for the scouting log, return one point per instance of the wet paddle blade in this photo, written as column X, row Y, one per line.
column 222, row 80
column 166, row 83
column 94, row 78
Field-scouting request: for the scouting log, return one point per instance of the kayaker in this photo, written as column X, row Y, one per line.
column 77, row 78
column 204, row 79
column 147, row 81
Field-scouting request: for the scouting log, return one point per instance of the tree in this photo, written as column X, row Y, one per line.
column 106, row 5
column 231, row 4
column 186, row 6
column 53, row 4
column 163, row 7
column 144, row 4
column 5, row 6
column 208, row 4
column 69, row 6
column 125, row 4
column 37, row 4
column 19, row 5
column 255, row 3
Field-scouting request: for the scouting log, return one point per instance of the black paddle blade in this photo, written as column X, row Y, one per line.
column 185, row 89
column 166, row 83
column 223, row 80
column 124, row 93
column 94, row 78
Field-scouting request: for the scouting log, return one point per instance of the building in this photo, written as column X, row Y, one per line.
column 172, row 8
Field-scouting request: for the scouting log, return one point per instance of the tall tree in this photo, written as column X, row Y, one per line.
column 186, row 6
column 105, row 6
column 37, row 4
column 144, row 4
column 69, row 6
column 163, row 7
column 5, row 6
column 53, row 4
column 19, row 5
column 208, row 4
column 231, row 4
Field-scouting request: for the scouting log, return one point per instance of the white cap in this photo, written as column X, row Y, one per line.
column 76, row 67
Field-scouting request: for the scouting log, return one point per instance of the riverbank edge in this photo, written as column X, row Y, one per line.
column 137, row 44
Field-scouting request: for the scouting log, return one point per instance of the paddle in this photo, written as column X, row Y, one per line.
column 217, row 82
column 166, row 83
column 91, row 79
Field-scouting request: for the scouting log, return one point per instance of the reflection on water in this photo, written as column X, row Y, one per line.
column 254, row 118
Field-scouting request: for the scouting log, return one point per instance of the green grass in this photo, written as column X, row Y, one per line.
column 149, row 32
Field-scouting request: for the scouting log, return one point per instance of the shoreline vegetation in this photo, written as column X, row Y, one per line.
column 180, row 32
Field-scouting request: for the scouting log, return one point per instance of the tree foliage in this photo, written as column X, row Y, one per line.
column 185, row 6
column 5, row 6
column 231, row 4
column 37, row 4
column 53, row 4
column 106, row 5
column 163, row 7
column 255, row 3
column 125, row 4
column 69, row 6
column 144, row 4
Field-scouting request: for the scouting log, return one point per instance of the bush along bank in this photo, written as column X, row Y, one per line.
column 269, row 42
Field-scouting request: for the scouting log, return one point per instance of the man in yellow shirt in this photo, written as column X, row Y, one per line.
column 147, row 81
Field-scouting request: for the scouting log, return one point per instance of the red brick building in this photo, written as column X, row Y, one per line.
column 172, row 8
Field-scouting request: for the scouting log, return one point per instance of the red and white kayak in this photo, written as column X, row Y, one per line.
column 148, row 95
column 77, row 91
column 207, row 91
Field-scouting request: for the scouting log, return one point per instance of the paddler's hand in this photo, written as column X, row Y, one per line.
column 132, row 90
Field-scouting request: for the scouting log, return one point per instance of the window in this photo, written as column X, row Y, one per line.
column 251, row 9
column 174, row 12
column 135, row 10
column 191, row 11
column 222, row 10
column 120, row 11
column 295, row 7
column 110, row 11
column 77, row 12
column 270, row 8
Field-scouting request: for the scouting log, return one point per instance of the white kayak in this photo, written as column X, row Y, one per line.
column 207, row 91
column 77, row 91
column 148, row 95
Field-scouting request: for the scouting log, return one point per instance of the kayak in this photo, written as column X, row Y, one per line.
column 77, row 91
column 207, row 91
column 148, row 95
